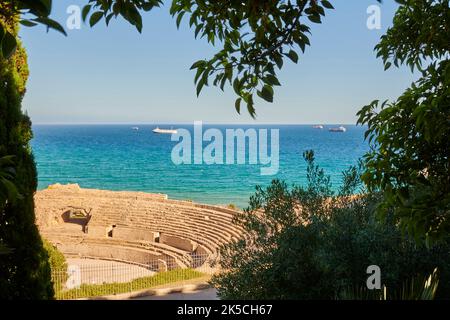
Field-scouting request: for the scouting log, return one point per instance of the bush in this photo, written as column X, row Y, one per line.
column 55, row 257
column 57, row 263
column 24, row 272
column 311, row 243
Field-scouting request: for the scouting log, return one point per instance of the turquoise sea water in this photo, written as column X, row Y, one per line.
column 115, row 157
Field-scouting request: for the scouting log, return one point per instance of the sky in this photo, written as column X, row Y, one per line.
column 116, row 75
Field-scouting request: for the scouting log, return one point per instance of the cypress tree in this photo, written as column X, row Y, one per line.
column 24, row 272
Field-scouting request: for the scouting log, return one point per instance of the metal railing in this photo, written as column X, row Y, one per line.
column 85, row 278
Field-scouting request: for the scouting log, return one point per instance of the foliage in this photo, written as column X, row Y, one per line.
column 24, row 273
column 409, row 160
column 8, row 191
column 161, row 278
column 4, row 249
column 408, row 163
column 55, row 257
column 129, row 10
column 38, row 11
column 420, row 32
column 254, row 37
column 418, row 288
column 57, row 262
column 312, row 243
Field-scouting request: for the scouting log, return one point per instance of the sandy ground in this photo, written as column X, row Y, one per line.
column 90, row 271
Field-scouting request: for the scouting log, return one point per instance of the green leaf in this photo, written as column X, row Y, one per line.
column 179, row 18
column 27, row 23
column 108, row 18
column 47, row 4
column 202, row 82
column 2, row 33
column 95, row 18
column 237, row 86
column 197, row 30
column 200, row 85
column 278, row 60
column 85, row 12
column 237, row 105
column 222, row 83
column 197, row 64
column 9, row 45
column 51, row 24
column 327, row 4
column 199, row 72
column 250, row 106
column 133, row 16
column 266, row 93
column 272, row 80
column 293, row 56
column 301, row 44
column 229, row 72
column 315, row 18
column 11, row 190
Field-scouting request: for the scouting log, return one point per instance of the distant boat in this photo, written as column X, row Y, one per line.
column 167, row 131
column 135, row 128
column 338, row 129
column 319, row 126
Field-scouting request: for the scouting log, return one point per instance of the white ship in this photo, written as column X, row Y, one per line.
column 135, row 128
column 167, row 131
column 338, row 129
column 319, row 126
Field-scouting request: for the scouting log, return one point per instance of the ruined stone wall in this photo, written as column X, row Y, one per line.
column 131, row 223
column 109, row 252
column 177, row 242
column 127, row 233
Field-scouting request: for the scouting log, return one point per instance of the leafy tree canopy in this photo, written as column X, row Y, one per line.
column 8, row 190
column 308, row 242
column 253, row 37
column 409, row 161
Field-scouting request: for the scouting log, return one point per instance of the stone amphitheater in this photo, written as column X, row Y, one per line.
column 133, row 227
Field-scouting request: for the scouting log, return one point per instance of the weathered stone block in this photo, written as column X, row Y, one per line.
column 128, row 233
column 177, row 242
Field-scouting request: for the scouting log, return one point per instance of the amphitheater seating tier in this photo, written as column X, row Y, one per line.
column 134, row 227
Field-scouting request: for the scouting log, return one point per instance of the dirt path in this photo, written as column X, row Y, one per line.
column 207, row 294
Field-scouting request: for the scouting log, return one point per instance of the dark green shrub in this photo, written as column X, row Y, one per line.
column 311, row 243
column 24, row 271
column 57, row 263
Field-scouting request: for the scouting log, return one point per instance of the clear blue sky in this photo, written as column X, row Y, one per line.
column 115, row 74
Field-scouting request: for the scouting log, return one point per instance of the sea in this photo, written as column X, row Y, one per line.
column 116, row 157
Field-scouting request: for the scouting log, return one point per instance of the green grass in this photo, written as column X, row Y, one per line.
column 93, row 290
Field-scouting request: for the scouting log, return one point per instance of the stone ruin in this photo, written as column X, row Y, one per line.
column 132, row 227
